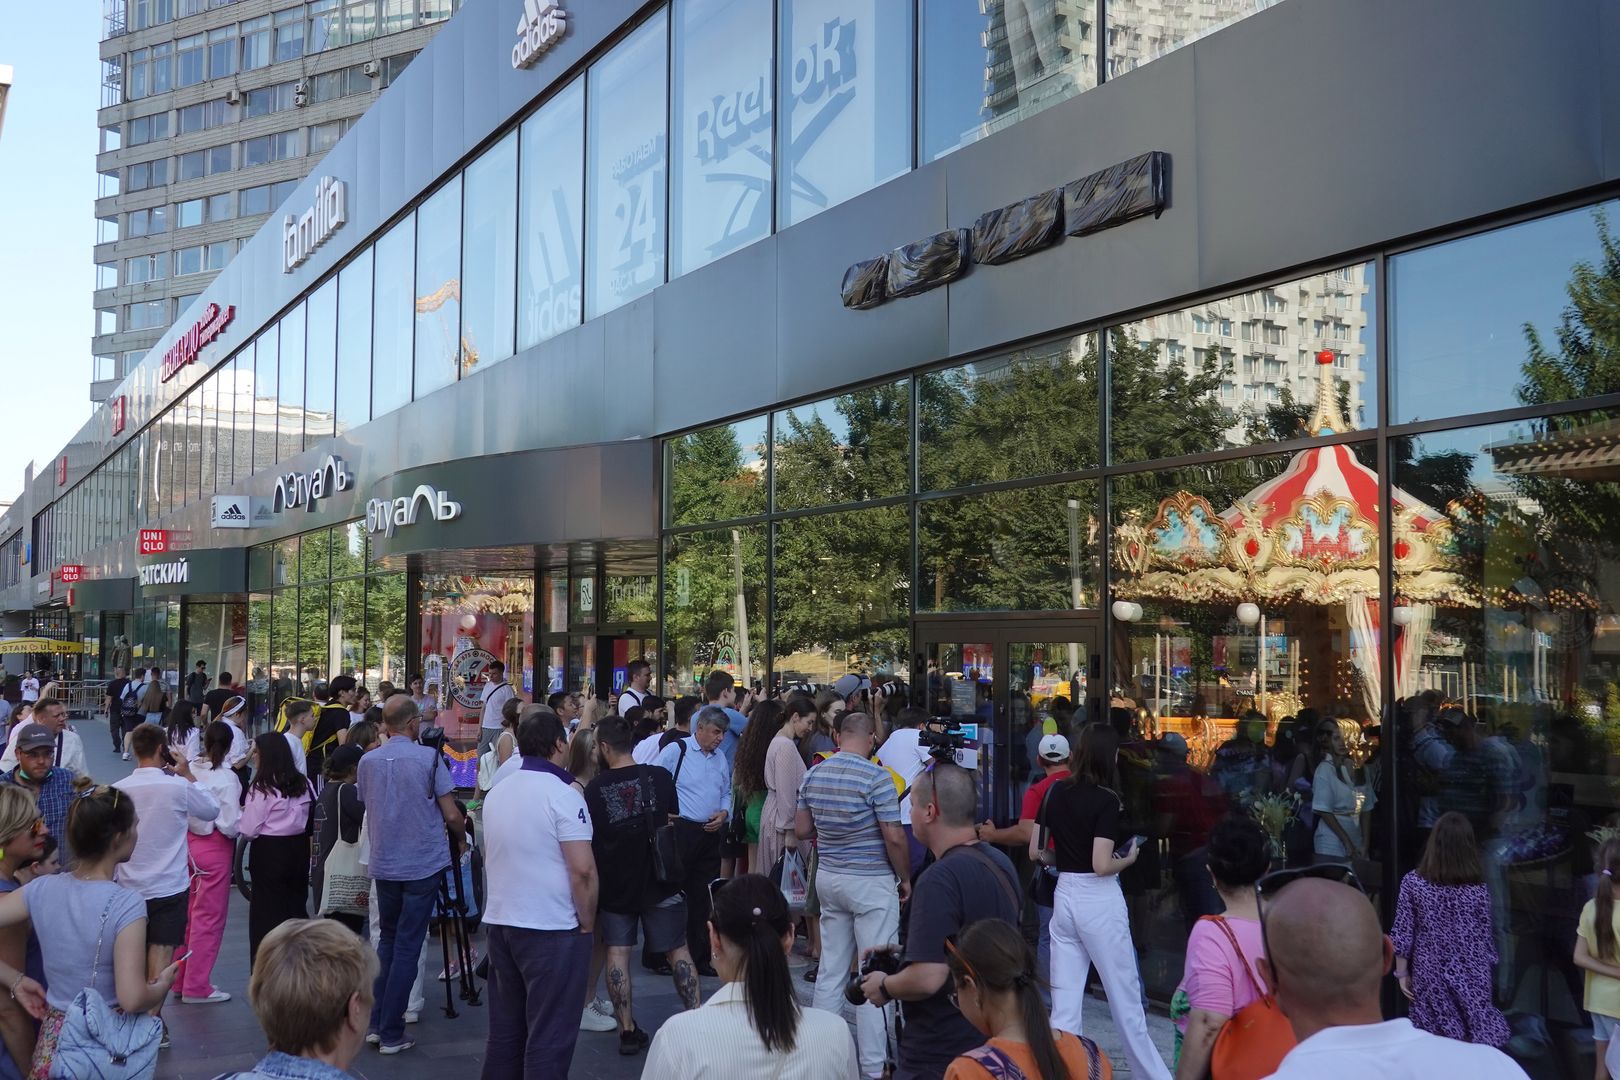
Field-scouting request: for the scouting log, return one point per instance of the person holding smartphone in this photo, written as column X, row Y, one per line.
column 1092, row 843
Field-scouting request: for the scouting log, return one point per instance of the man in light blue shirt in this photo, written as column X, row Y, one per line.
column 703, row 791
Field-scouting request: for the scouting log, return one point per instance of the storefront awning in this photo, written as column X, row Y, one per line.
column 38, row 645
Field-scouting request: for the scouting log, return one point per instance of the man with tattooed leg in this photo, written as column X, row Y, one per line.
column 627, row 802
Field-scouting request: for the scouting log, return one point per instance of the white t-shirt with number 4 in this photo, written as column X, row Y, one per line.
column 528, row 816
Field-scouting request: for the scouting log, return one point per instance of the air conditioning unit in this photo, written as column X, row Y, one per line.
column 233, row 97
column 371, row 68
column 300, row 93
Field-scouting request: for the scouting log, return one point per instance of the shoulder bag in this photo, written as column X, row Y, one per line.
column 1043, row 886
column 100, row 1041
column 665, row 849
column 346, row 888
column 1253, row 1042
column 1008, row 887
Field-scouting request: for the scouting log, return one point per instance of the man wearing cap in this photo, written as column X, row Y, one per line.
column 851, row 687
column 35, row 773
column 1053, row 753
column 52, row 712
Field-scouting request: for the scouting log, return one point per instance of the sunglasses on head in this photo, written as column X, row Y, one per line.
column 1269, row 886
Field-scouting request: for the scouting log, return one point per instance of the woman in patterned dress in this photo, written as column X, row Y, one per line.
column 1444, row 944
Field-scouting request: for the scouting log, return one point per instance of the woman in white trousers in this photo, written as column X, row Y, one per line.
column 1085, row 819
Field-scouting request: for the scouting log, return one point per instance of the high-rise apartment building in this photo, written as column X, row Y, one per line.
column 212, row 111
column 5, row 91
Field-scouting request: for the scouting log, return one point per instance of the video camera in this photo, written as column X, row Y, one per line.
column 942, row 737
column 432, row 737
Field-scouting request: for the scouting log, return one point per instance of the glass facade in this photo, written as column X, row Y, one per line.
column 318, row 608
column 626, row 167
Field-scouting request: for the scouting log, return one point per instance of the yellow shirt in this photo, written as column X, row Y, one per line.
column 1602, row 992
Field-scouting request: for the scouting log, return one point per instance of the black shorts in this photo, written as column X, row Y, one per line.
column 663, row 924
column 166, row 920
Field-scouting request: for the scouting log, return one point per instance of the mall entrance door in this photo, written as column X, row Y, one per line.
column 1001, row 677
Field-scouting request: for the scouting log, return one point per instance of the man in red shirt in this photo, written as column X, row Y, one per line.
column 1053, row 752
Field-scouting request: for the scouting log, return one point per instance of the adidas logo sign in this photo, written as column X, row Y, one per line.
column 233, row 512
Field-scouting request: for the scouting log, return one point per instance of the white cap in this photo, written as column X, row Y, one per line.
column 1054, row 748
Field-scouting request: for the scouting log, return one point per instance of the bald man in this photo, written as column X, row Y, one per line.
column 1327, row 959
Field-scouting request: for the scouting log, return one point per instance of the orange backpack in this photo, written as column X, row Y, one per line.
column 1253, row 1042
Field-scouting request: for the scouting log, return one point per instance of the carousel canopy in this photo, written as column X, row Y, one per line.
column 1309, row 535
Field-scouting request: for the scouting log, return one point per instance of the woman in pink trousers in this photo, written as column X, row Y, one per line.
column 213, row 843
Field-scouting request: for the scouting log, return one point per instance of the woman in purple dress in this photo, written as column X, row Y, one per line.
column 1444, row 945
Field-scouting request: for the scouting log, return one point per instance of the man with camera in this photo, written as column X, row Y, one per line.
column 968, row 881
column 847, row 804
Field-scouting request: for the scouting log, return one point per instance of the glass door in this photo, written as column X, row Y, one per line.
column 1008, row 685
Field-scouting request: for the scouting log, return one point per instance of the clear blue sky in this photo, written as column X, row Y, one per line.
column 47, row 229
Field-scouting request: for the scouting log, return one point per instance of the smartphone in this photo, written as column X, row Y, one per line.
column 1128, row 846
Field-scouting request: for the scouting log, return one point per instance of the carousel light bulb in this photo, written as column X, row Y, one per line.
column 1402, row 615
column 1248, row 614
column 1126, row 611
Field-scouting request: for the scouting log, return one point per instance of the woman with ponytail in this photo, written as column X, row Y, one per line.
column 998, row 992
column 753, row 1026
column 1596, row 952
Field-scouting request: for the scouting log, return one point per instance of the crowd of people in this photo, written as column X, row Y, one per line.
column 721, row 833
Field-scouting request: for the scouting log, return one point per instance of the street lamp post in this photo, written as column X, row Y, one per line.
column 1074, row 580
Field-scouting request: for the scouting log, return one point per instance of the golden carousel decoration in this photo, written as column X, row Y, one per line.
column 1305, row 544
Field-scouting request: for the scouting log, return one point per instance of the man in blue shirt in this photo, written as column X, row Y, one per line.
column 409, row 802
column 37, row 774
column 703, row 792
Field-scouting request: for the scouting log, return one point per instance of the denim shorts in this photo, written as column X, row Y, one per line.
column 1603, row 1027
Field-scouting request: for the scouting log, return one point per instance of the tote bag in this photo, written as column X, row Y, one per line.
column 346, row 888
column 788, row 873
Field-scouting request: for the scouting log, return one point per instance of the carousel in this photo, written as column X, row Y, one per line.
column 1295, row 563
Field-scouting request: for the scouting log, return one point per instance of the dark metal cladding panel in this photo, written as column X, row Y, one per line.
column 928, row 264
column 864, row 283
column 1118, row 194
column 1025, row 227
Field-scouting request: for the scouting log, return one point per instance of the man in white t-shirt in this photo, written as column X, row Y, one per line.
column 540, row 907
column 638, row 676
column 496, row 692
column 52, row 713
column 30, row 687
column 903, row 753
column 1327, row 985
column 300, row 718
column 160, row 866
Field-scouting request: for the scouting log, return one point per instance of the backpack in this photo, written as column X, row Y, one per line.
column 1253, row 1042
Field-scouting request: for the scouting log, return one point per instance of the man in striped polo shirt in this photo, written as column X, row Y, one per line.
column 847, row 804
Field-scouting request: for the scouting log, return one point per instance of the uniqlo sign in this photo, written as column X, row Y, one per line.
column 120, row 414
column 61, row 471
column 154, row 541
column 71, row 573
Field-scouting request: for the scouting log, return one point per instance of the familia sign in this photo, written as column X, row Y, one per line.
column 203, row 331
column 300, row 236
column 307, row 489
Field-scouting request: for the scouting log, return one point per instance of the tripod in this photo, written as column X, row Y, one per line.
column 453, row 930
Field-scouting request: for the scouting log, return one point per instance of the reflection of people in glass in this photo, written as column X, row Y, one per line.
column 1597, row 951
column 1341, row 797
column 1444, row 949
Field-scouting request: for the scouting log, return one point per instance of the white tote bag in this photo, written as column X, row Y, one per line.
column 346, row 886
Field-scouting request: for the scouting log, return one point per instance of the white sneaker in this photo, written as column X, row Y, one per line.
column 592, row 1020
column 396, row 1048
column 374, row 1039
column 216, row 996
column 126, row 755
column 413, row 1017
column 605, row 1007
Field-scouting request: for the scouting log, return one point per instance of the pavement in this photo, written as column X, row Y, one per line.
column 212, row 1039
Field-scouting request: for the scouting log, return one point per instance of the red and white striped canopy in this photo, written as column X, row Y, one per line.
column 1333, row 469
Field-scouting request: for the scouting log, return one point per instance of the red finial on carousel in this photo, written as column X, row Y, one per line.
column 1325, row 358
